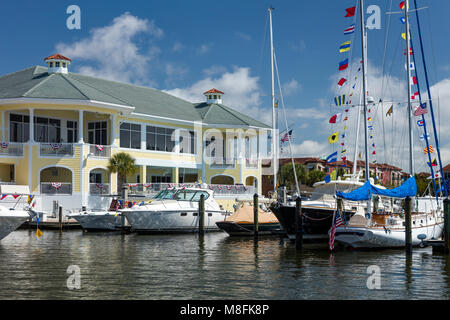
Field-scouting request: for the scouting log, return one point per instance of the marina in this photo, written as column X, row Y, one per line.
column 116, row 187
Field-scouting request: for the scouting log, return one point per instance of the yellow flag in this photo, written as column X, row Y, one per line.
column 333, row 175
column 404, row 35
column 38, row 233
column 333, row 138
column 390, row 111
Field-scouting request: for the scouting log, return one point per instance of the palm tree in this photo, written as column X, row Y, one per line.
column 124, row 165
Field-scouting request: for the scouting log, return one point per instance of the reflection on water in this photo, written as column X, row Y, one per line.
column 216, row 266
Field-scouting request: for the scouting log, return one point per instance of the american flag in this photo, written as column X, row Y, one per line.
column 286, row 136
column 336, row 223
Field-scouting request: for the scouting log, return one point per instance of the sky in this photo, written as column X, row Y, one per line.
column 187, row 47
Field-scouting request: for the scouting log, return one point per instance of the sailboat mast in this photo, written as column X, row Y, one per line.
column 408, row 75
column 274, row 109
column 364, row 86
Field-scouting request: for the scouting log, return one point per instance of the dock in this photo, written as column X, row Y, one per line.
column 52, row 224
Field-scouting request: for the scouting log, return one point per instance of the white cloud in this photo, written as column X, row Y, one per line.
column 243, row 36
column 112, row 51
column 291, row 87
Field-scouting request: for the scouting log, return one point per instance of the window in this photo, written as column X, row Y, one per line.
column 57, row 64
column 19, row 128
column 72, row 131
column 50, row 64
column 187, row 142
column 63, row 64
column 95, row 177
column 197, row 195
column 47, row 130
column 161, row 179
column 160, row 139
column 98, row 132
column 130, row 135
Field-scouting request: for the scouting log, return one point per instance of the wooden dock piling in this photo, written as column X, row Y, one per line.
column 255, row 217
column 201, row 215
column 408, row 230
column 298, row 224
column 60, row 218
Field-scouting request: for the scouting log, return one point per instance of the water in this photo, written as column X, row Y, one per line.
column 115, row 266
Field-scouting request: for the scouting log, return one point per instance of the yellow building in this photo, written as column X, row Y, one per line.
column 59, row 129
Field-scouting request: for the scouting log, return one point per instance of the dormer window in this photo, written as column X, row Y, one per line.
column 51, row 65
column 63, row 64
column 57, row 64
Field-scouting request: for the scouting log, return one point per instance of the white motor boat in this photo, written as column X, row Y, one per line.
column 100, row 220
column 10, row 220
column 11, row 217
column 175, row 211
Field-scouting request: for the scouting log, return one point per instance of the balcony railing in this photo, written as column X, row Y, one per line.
column 99, row 188
column 222, row 162
column 56, row 149
column 251, row 163
column 219, row 189
column 11, row 149
column 56, row 188
column 99, row 151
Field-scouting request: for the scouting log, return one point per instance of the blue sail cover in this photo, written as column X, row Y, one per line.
column 365, row 192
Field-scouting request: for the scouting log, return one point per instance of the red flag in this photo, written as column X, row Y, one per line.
column 414, row 80
column 341, row 82
column 402, row 5
column 350, row 12
column 336, row 118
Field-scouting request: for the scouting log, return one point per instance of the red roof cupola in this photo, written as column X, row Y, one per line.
column 57, row 63
column 213, row 96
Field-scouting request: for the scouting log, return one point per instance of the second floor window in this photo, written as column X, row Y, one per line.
column 72, row 131
column 47, row 130
column 130, row 135
column 160, row 139
column 19, row 128
column 97, row 132
column 187, row 141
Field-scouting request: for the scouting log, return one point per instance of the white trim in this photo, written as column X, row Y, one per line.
column 167, row 163
column 91, row 103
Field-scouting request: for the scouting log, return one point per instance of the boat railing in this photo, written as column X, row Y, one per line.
column 219, row 189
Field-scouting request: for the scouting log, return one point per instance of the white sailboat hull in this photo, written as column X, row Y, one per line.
column 10, row 220
column 379, row 237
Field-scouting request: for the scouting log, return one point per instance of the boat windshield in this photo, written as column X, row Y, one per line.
column 165, row 194
column 190, row 195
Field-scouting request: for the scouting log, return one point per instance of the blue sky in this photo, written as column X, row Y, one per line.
column 187, row 47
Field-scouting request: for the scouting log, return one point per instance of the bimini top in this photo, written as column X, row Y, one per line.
column 365, row 192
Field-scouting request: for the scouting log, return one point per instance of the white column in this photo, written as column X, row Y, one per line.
column 113, row 129
column 31, row 125
column 143, row 136
column 80, row 127
column 3, row 126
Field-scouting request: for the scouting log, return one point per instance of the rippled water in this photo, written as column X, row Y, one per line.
column 115, row 266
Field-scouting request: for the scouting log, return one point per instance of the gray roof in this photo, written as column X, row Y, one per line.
column 36, row 82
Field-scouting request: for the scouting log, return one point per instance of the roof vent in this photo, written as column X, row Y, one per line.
column 57, row 63
column 213, row 96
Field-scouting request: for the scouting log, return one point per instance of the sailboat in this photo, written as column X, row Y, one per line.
column 389, row 229
column 318, row 211
column 12, row 217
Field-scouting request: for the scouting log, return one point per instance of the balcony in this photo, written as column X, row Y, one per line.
column 251, row 163
column 223, row 163
column 11, row 149
column 56, row 149
column 99, row 151
column 55, row 188
column 99, row 188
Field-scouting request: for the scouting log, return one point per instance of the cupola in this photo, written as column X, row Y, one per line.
column 57, row 63
column 213, row 96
